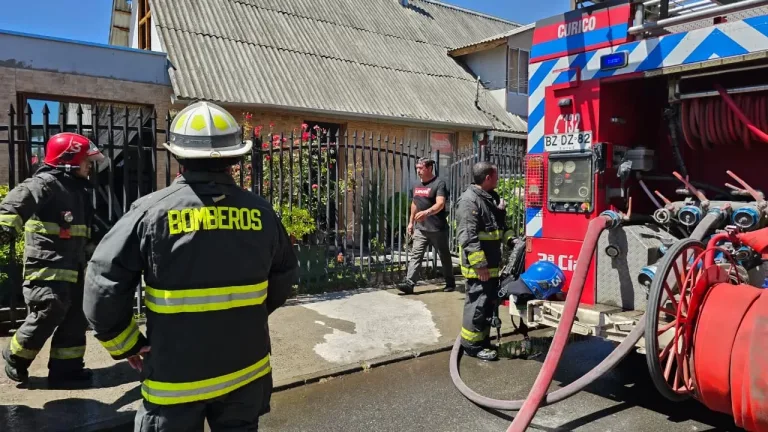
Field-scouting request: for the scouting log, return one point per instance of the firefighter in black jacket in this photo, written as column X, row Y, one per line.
column 53, row 210
column 481, row 225
column 214, row 261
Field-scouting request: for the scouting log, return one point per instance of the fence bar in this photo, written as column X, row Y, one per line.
column 336, row 187
column 111, row 156
column 153, row 126
column 346, row 190
column 125, row 160
column 139, row 155
column 167, row 152
column 28, row 146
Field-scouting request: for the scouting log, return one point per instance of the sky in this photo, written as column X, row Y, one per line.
column 89, row 21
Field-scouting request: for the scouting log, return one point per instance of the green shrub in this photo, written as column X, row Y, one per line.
column 5, row 249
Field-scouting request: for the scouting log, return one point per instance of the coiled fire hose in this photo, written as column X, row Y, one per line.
column 538, row 396
column 738, row 120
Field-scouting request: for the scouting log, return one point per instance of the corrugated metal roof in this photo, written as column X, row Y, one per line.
column 372, row 57
column 504, row 35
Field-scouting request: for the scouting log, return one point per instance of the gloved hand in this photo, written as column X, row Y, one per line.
column 6, row 235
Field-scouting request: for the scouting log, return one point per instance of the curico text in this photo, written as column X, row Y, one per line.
column 213, row 218
column 565, row 262
column 576, row 27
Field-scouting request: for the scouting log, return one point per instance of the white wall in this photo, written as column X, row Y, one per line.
column 133, row 36
column 491, row 66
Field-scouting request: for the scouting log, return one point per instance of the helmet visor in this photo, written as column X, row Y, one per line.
column 95, row 155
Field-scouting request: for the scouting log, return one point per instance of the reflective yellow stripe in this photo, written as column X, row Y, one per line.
column 68, row 353
column 40, row 227
column 124, row 342
column 204, row 299
column 51, row 274
column 476, row 257
column 469, row 272
column 13, row 221
column 164, row 393
column 490, row 235
column 20, row 351
column 472, row 336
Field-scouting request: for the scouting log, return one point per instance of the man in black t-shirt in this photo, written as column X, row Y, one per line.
column 429, row 225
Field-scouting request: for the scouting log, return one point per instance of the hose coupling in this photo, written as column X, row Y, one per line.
column 613, row 217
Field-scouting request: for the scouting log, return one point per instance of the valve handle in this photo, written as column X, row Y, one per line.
column 690, row 187
column 758, row 196
column 663, row 198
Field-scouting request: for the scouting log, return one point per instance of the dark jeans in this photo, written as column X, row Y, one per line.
column 439, row 241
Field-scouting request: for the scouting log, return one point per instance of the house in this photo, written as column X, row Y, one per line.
column 501, row 62
column 374, row 66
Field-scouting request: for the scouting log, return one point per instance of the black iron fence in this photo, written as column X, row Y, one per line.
column 344, row 197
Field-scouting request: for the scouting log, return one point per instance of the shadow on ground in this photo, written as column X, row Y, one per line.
column 629, row 384
column 74, row 413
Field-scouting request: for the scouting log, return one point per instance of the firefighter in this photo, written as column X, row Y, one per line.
column 481, row 225
column 53, row 209
column 214, row 261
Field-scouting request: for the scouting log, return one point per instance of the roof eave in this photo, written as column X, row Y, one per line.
column 347, row 114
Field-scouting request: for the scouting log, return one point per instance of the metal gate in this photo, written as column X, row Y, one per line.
column 343, row 195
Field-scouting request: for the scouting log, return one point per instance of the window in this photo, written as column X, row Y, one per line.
column 517, row 77
column 145, row 25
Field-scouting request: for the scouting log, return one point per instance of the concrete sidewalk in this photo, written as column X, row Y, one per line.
column 313, row 338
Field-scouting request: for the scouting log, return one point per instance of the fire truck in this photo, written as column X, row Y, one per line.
column 651, row 117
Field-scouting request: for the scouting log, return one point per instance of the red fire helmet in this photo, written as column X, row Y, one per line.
column 70, row 149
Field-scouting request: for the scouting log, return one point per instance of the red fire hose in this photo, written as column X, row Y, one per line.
column 730, row 365
column 738, row 120
column 539, row 389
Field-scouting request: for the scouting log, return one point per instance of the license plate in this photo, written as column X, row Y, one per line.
column 568, row 142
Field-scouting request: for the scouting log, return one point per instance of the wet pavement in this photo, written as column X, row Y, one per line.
column 418, row 395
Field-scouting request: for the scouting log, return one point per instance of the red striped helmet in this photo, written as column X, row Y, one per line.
column 69, row 149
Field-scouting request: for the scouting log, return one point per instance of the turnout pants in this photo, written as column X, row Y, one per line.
column 439, row 241
column 480, row 301
column 56, row 308
column 238, row 410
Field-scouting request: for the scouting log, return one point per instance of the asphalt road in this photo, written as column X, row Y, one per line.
column 418, row 395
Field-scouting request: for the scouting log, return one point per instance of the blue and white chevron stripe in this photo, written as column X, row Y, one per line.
column 724, row 40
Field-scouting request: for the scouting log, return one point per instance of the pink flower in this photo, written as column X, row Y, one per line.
column 271, row 125
column 304, row 126
column 305, row 136
column 316, row 127
column 285, row 139
column 248, row 116
column 314, row 186
column 257, row 130
column 265, row 145
column 267, row 157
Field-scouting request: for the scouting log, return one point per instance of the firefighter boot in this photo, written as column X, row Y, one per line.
column 15, row 372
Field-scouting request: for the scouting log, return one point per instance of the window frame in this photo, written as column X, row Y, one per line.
column 144, row 27
column 521, row 73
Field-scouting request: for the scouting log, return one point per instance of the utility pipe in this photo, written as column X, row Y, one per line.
column 695, row 16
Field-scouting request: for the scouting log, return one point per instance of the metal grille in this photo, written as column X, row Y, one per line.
column 535, row 186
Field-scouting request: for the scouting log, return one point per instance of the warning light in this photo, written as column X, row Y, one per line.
column 615, row 60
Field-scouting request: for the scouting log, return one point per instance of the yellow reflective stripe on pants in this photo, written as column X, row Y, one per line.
column 20, row 351
column 40, row 227
column 165, row 393
column 204, row 299
column 472, row 336
column 50, row 274
column 13, row 221
column 469, row 272
column 68, row 353
column 490, row 235
column 476, row 257
column 124, row 342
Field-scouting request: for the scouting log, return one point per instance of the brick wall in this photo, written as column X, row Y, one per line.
column 14, row 82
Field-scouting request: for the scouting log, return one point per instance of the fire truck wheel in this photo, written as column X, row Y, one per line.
column 666, row 364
